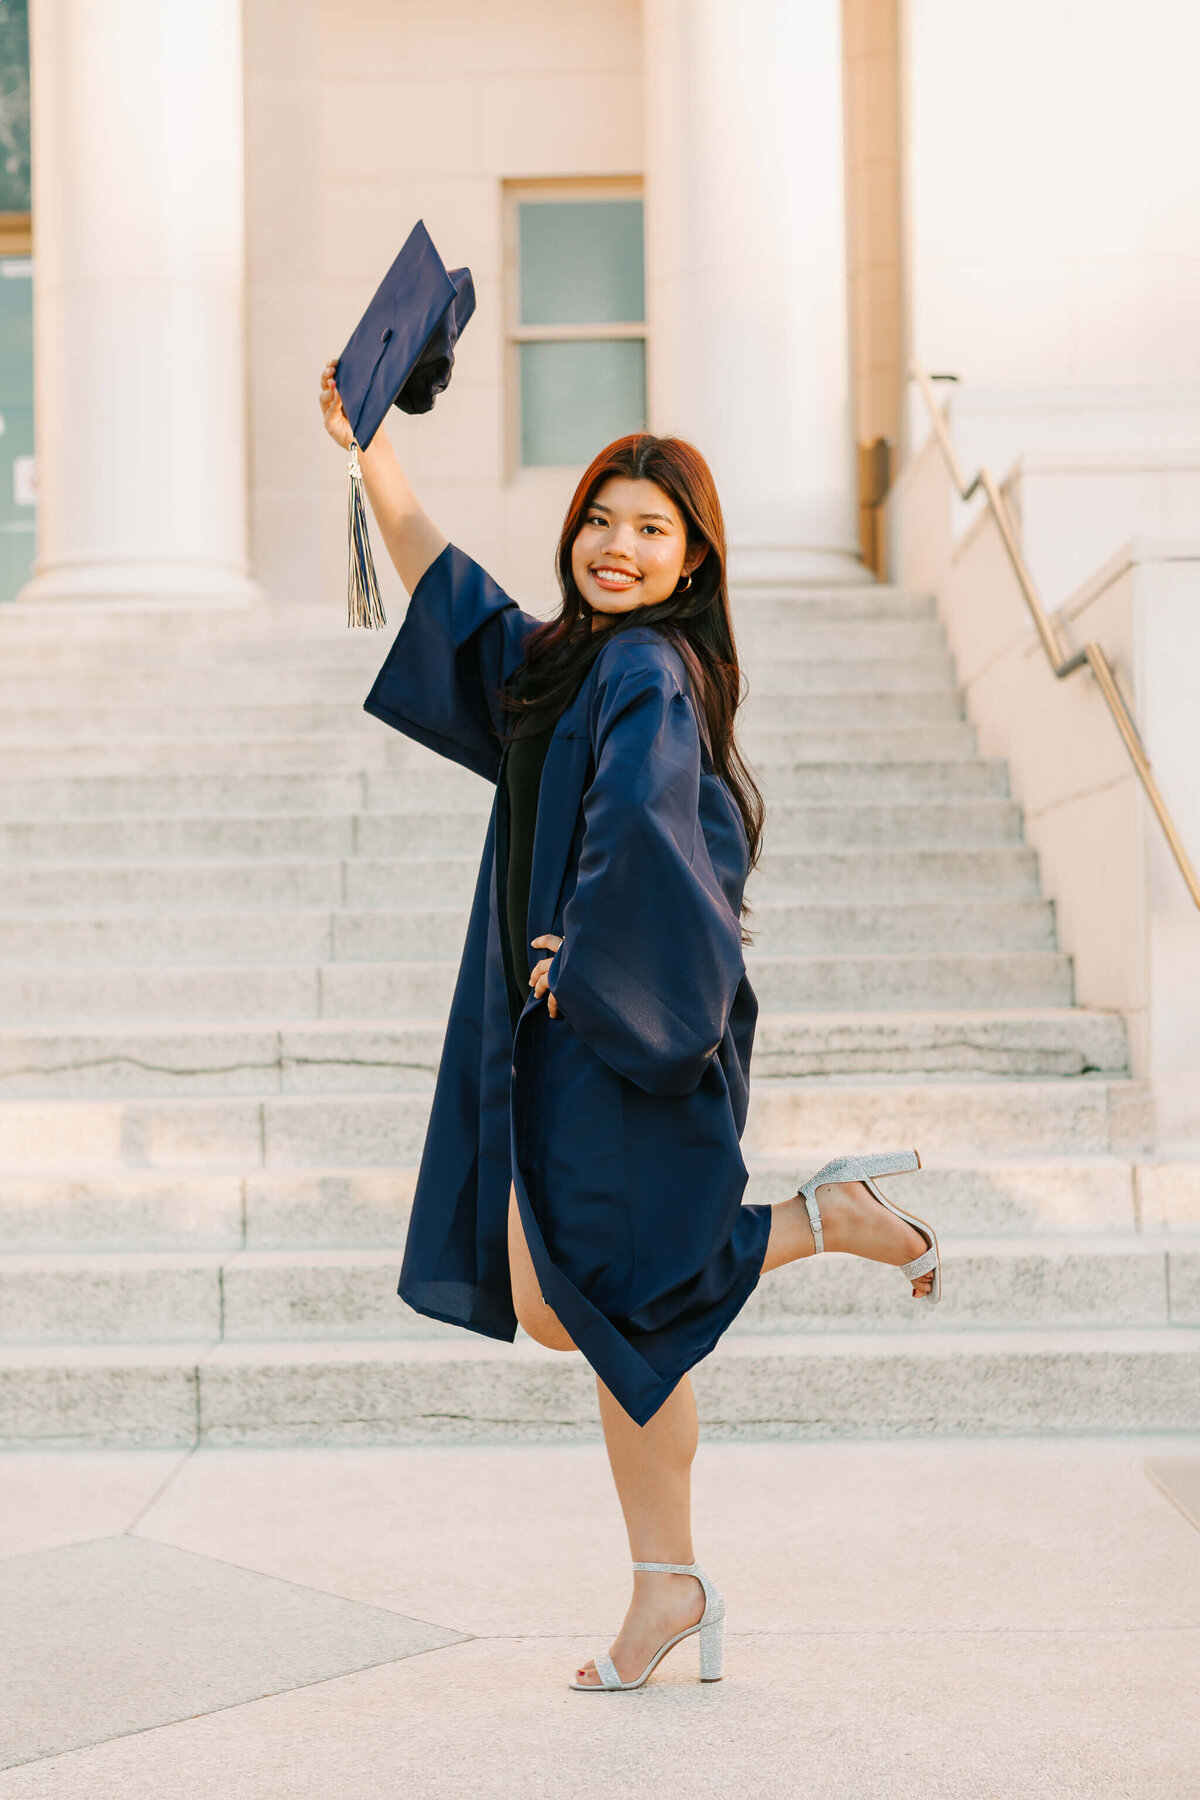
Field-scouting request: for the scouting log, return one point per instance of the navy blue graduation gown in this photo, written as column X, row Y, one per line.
column 618, row 1122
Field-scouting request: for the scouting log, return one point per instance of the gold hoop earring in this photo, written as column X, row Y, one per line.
column 684, row 587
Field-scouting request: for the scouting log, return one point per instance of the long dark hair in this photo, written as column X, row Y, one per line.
column 696, row 619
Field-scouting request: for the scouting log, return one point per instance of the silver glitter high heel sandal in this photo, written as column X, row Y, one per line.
column 710, row 1626
column 863, row 1168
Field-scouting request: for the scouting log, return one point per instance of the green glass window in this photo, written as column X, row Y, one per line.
column 579, row 327
column 578, row 396
column 581, row 262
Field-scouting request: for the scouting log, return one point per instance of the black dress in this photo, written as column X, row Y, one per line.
column 520, row 785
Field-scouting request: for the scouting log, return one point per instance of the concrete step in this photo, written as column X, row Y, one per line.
column 41, row 719
column 942, row 1117
column 947, row 824
column 330, row 680
column 473, row 1389
column 333, row 681
column 896, row 981
column 770, row 607
column 373, row 1129
column 330, row 1295
column 348, row 752
column 807, row 927
column 891, row 981
column 359, row 745
column 429, row 788
column 834, row 710
column 835, row 640
column 117, row 840
column 951, row 740
column 420, row 788
column 906, row 674
column 1002, row 872
column 196, row 884
column 209, row 660
column 145, row 938
column 843, row 636
column 121, row 1208
column 86, row 623
column 842, row 783
column 353, row 1056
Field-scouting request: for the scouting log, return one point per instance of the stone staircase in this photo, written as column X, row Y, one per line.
column 231, row 907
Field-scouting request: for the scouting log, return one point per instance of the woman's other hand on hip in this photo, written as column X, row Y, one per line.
column 539, row 979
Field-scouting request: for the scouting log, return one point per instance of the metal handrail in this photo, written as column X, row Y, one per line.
column 1061, row 661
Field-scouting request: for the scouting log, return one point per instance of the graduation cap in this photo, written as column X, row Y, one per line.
column 400, row 353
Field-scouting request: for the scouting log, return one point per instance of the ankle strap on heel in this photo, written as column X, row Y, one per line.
column 669, row 1568
column 808, row 1194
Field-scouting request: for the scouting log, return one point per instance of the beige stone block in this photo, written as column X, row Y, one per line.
column 363, row 224
column 1058, row 736
column 471, row 515
column 288, row 443
column 285, row 547
column 360, row 37
column 980, row 603
column 1134, row 319
column 280, row 37
column 1168, row 1195
column 381, row 127
column 1002, row 319
column 998, row 90
column 544, row 37
column 534, row 125
column 1088, row 856
column 462, row 439
column 282, row 169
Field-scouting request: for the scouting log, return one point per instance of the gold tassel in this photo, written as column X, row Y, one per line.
column 364, row 606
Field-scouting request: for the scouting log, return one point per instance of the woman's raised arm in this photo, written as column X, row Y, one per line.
column 412, row 538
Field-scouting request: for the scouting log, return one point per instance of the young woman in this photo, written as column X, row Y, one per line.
column 582, row 1174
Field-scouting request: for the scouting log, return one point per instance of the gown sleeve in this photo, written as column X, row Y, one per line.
column 651, row 956
column 461, row 640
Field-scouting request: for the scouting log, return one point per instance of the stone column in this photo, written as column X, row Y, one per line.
column 746, row 271
column 139, row 334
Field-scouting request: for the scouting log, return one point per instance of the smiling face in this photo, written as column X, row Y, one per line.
column 631, row 549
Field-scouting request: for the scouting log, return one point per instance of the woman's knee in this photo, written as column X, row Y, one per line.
column 542, row 1324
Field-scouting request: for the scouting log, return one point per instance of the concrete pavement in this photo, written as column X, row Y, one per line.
column 972, row 1619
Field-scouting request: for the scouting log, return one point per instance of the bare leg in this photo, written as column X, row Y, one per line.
column 534, row 1316
column 652, row 1469
column 854, row 1222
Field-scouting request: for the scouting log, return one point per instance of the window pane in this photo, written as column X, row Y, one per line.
column 581, row 262
column 577, row 397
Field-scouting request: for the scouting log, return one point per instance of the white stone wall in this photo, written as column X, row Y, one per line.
column 361, row 116
column 1055, row 191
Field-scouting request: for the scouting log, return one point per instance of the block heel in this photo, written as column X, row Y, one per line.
column 709, row 1627
column 712, row 1649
